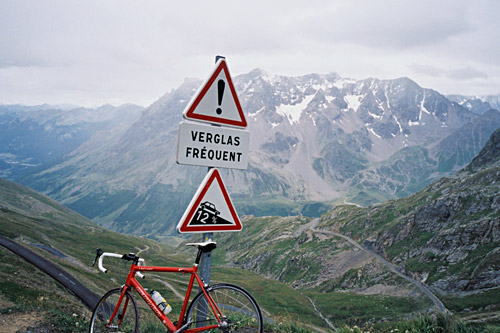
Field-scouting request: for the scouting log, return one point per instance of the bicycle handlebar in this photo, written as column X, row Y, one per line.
column 121, row 256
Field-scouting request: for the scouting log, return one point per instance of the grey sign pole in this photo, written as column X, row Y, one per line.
column 206, row 261
column 204, row 272
column 205, row 266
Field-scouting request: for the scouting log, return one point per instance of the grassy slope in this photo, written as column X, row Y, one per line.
column 392, row 216
column 281, row 248
column 31, row 218
column 277, row 248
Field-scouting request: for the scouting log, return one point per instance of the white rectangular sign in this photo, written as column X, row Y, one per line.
column 212, row 146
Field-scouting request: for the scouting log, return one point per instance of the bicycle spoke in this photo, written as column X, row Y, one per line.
column 239, row 311
column 106, row 319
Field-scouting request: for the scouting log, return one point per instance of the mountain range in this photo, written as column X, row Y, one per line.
column 354, row 265
column 316, row 140
column 446, row 236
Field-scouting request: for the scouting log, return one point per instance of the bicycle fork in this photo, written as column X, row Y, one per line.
column 117, row 307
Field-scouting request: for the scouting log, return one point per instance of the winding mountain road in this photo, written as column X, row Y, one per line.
column 437, row 302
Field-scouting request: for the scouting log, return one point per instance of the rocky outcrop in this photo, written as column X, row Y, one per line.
column 489, row 156
column 447, row 235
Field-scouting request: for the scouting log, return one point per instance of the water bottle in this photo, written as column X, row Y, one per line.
column 161, row 302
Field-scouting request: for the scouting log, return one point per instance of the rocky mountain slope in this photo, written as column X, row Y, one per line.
column 313, row 138
column 476, row 104
column 446, row 236
column 460, row 216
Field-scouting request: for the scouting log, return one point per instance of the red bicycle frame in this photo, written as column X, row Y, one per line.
column 132, row 282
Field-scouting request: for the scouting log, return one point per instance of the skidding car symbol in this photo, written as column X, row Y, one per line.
column 209, row 208
column 206, row 214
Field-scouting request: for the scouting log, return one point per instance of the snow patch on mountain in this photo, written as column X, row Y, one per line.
column 324, row 86
column 254, row 114
column 293, row 112
column 373, row 132
column 330, row 98
column 423, row 108
column 313, row 120
column 399, row 124
column 342, row 82
column 373, row 115
column 353, row 101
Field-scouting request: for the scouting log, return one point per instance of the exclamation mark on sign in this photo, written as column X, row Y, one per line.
column 220, row 89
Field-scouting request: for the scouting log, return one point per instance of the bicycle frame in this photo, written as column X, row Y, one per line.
column 132, row 282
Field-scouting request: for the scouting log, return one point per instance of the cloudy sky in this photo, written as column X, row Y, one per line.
column 95, row 52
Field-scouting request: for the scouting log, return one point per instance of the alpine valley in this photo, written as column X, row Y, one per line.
column 316, row 141
column 386, row 267
column 442, row 243
column 365, row 202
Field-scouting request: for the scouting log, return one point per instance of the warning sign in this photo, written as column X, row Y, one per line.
column 207, row 145
column 211, row 209
column 217, row 102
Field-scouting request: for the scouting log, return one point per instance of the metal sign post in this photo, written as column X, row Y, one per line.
column 206, row 258
column 204, row 269
column 214, row 135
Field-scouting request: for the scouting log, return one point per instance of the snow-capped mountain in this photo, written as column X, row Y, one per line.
column 476, row 104
column 313, row 137
column 325, row 130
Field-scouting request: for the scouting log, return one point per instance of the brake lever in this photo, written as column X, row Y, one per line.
column 99, row 252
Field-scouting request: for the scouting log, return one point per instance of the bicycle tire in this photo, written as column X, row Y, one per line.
column 104, row 309
column 239, row 309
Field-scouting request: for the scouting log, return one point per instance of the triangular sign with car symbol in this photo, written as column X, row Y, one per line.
column 211, row 209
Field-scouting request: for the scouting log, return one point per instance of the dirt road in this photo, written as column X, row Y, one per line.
column 438, row 304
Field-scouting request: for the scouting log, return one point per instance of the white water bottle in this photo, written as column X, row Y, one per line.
column 161, row 302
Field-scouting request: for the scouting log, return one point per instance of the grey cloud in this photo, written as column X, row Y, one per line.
column 390, row 24
column 461, row 73
column 467, row 73
column 91, row 47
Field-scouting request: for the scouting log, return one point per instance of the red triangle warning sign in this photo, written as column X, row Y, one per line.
column 211, row 209
column 217, row 102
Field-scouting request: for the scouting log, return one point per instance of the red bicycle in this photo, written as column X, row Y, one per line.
column 219, row 307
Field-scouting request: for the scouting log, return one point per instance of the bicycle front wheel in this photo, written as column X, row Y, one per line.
column 126, row 318
column 238, row 309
